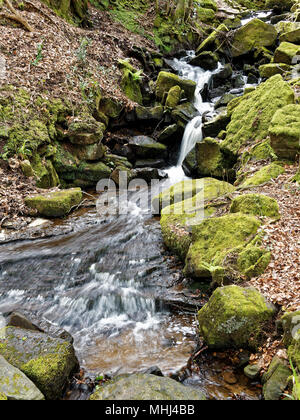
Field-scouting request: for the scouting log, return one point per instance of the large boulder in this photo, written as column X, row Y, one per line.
column 287, row 53
column 47, row 361
column 234, row 317
column 146, row 147
column 255, row 34
column 251, row 117
column 291, row 36
column 15, row 385
column 268, row 70
column 143, row 386
column 84, row 130
column 167, row 80
column 55, row 204
column 263, row 175
column 222, row 244
column 284, row 132
column 210, row 159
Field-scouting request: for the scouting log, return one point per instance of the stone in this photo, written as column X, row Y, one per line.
column 148, row 174
column 291, row 327
column 171, row 134
column 224, row 100
column 93, row 172
column 291, row 36
column 252, row 371
column 110, row 107
column 149, row 113
column 279, row 5
column 146, row 147
column 234, row 318
column 14, row 385
column 206, row 60
column 210, row 159
column 150, row 163
column 225, row 73
column 48, row 362
column 131, row 86
column 214, row 40
column 142, row 386
column 263, row 175
column 284, row 131
column 84, row 130
column 213, row 127
column 252, row 113
column 89, row 152
column 55, row 204
column 275, row 380
column 269, row 70
column 167, row 80
column 287, row 53
column 174, row 96
column 254, row 34
column 256, row 204
column 184, row 113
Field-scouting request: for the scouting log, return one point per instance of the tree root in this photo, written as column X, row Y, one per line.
column 14, row 15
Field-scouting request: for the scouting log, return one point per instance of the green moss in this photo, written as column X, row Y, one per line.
column 173, row 97
column 166, row 81
column 234, row 317
column 210, row 159
column 131, row 86
column 251, row 118
column 56, row 204
column 256, row 204
column 264, row 175
column 255, row 34
column 110, row 107
column 214, row 40
column 216, row 238
column 205, row 15
column 291, row 36
column 276, row 379
column 44, row 172
column 208, row 4
column 258, row 152
column 286, row 52
column 284, row 132
column 290, row 323
column 269, row 70
column 75, row 12
column 253, row 261
column 3, row 397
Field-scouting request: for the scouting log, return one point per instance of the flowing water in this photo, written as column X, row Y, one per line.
column 104, row 279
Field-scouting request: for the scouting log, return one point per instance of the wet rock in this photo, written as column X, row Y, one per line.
column 230, row 377
column 146, row 147
column 150, row 163
column 213, row 127
column 291, row 36
column 55, row 204
column 14, row 385
column 184, row 113
column 224, row 74
column 275, row 380
column 171, row 134
column 234, row 318
column 284, row 132
column 19, row 320
column 154, row 370
column 252, row 79
column 149, row 113
column 210, row 159
column 254, row 34
column 224, row 100
column 279, row 5
column 145, row 387
column 149, row 174
column 46, row 361
column 252, row 371
column 167, row 80
column 174, row 96
column 206, row 59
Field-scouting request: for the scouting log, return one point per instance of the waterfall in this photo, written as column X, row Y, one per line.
column 193, row 130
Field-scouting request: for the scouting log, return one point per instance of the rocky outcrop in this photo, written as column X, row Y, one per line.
column 234, row 317
column 145, row 387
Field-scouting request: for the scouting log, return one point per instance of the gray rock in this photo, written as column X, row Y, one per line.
column 145, row 387
column 252, row 371
column 275, row 380
column 15, row 385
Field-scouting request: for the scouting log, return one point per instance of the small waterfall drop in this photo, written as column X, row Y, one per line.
column 193, row 130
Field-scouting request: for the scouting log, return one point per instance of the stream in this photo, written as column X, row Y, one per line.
column 105, row 282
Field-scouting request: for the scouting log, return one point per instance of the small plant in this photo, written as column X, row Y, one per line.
column 296, row 383
column 81, row 52
column 24, row 151
column 39, row 55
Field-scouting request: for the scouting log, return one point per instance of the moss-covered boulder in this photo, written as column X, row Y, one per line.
column 210, row 159
column 291, row 326
column 279, row 5
column 146, row 147
column 214, row 240
column 263, row 175
column 206, row 59
column 188, row 207
column 284, row 132
column 286, row 53
column 205, row 15
column 44, row 172
column 14, row 385
column 234, row 317
column 268, row 70
column 131, row 86
column 256, row 204
column 110, row 107
column 85, row 130
column 92, row 172
column 291, row 36
column 251, row 117
column 149, row 113
column 184, row 113
column 276, row 379
column 145, row 387
column 173, row 97
column 214, row 40
column 167, row 80
column 46, row 361
column 55, row 204
column 88, row 152
column 255, row 34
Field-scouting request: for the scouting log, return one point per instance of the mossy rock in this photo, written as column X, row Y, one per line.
column 291, row 36
column 73, row 11
column 256, row 204
column 255, row 34
column 55, row 204
column 234, row 317
column 167, row 80
column 284, row 132
column 178, row 218
column 182, row 114
column 14, row 385
column 286, row 53
column 174, row 96
column 268, row 70
column 261, row 151
column 205, row 15
column 142, row 386
column 46, row 361
column 64, row 162
column 215, row 239
column 93, row 172
column 110, row 107
column 3, row 397
column 294, row 352
column 276, row 379
column 90, row 152
column 149, row 113
column 210, row 159
column 251, row 117
column 130, row 84
column 146, row 147
column 44, row 172
column 280, row 5
column 208, row 4
column 286, row 26
column 206, row 59
column 85, row 130
column 291, row 326
column 253, row 261
column 214, row 40
column 263, row 175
